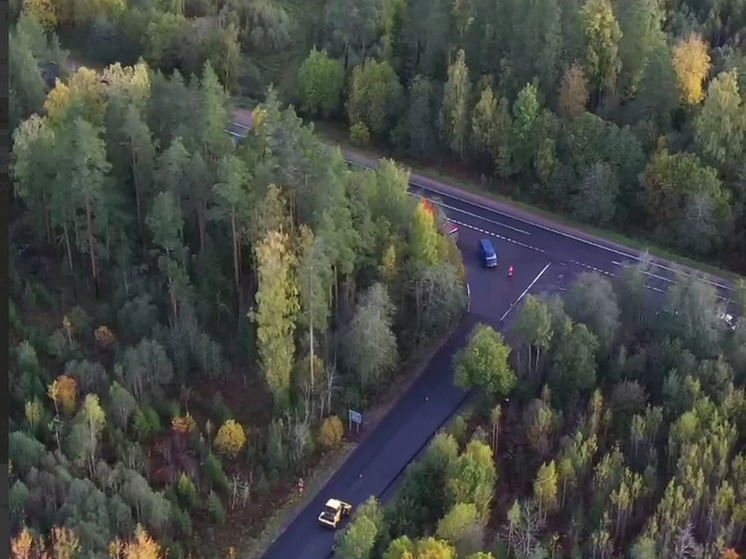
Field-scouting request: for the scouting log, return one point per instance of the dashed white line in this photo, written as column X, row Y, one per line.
column 470, row 214
column 656, row 289
column 485, row 219
column 610, row 249
column 588, row 267
column 716, row 284
column 485, row 232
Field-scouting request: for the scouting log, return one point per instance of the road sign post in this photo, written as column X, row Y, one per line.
column 356, row 418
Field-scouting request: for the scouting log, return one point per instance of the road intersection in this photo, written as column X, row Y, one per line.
column 545, row 255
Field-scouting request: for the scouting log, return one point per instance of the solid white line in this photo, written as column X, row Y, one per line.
column 530, row 285
column 656, row 276
column 497, row 236
column 488, row 220
column 563, row 234
column 417, row 184
column 482, row 218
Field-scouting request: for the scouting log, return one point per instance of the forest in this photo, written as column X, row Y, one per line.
column 624, row 115
column 189, row 317
column 609, row 430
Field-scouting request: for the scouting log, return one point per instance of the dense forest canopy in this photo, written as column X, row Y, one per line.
column 624, row 436
column 189, row 316
column 626, row 114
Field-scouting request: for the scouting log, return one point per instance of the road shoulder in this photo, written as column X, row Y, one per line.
column 415, row 366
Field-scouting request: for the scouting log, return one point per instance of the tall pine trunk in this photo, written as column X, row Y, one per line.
column 137, row 186
column 91, row 246
column 69, row 250
column 201, row 224
column 235, row 251
column 47, row 218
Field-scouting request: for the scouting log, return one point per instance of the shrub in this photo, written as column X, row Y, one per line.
column 219, row 410
column 186, row 491
column 182, row 522
column 104, row 337
column 359, row 134
column 215, row 508
column 184, row 424
column 78, row 321
column 147, row 422
column 331, row 432
column 214, row 472
column 230, row 439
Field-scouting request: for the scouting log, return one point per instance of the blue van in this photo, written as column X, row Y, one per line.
column 488, row 254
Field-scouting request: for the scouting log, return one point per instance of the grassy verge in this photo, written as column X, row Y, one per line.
column 410, row 371
column 275, row 525
column 334, row 134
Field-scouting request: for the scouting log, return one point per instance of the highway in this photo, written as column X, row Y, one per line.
column 534, row 233
column 569, row 248
column 545, row 255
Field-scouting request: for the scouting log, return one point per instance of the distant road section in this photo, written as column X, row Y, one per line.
column 545, row 254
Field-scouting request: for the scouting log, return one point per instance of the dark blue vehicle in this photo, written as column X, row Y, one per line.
column 488, row 254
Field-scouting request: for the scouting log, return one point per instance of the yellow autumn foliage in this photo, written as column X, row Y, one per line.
column 44, row 11
column 64, row 544
column 84, row 88
column 184, row 424
column 22, row 546
column 64, row 393
column 692, row 64
column 34, row 412
column 331, row 432
column 230, row 439
column 104, row 337
column 141, row 547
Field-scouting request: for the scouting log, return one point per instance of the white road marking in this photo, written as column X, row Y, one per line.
column 561, row 233
column 414, row 183
column 530, row 285
column 482, row 218
column 593, row 268
column 485, row 232
column 493, row 222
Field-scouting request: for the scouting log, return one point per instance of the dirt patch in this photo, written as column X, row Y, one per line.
column 243, row 394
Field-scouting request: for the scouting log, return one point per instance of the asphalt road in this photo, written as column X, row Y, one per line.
column 545, row 256
column 569, row 250
column 562, row 245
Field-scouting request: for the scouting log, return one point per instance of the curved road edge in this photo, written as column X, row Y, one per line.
column 421, row 366
column 243, row 119
column 537, row 220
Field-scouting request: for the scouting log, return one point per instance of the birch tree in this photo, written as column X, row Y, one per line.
column 314, row 285
column 276, row 308
column 456, row 99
